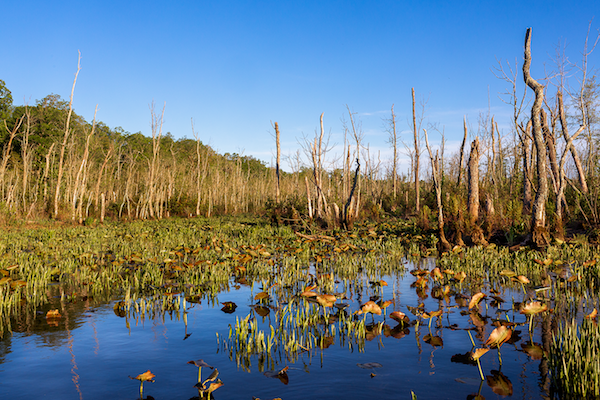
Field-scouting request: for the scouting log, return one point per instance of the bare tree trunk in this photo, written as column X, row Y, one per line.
column 560, row 197
column 394, row 140
column 277, row 193
column 473, row 182
column 550, row 148
column 435, row 171
column 462, row 153
column 473, row 195
column 527, row 176
column 8, row 148
column 26, row 156
column 100, row 173
column 64, row 143
column 152, row 195
column 308, row 197
column 416, row 166
column 358, row 137
column 81, row 178
column 198, row 162
column 348, row 217
column 538, row 215
column 565, row 129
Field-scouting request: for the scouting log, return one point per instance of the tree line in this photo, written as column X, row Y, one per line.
column 525, row 185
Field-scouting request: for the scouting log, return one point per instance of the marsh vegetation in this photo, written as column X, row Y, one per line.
column 315, row 311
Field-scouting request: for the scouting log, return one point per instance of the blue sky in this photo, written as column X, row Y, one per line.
column 235, row 66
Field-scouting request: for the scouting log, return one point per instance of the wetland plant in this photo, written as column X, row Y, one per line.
column 574, row 360
column 145, row 377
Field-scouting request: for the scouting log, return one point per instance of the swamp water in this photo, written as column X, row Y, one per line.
column 95, row 345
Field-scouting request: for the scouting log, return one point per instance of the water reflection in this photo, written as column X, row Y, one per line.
column 322, row 344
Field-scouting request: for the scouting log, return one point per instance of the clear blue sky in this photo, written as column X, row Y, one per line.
column 235, row 66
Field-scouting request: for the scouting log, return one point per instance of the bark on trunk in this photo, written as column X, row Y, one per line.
column 538, row 213
column 473, row 196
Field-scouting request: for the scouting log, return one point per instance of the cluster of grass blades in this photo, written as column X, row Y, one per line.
column 574, row 359
column 197, row 257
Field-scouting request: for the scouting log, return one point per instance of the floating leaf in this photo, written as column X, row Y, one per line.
column 460, row 276
column 589, row 263
column 325, row 301
column 507, row 273
column 281, row 375
column 145, row 377
column 476, row 299
column 476, row 355
column 200, row 363
column 593, row 314
column 499, row 383
column 400, row 317
column 533, row 350
column 370, row 307
column 53, row 314
column 521, row 279
column 369, row 365
column 499, row 336
column 436, row 274
column 261, row 296
column 435, row 341
column 535, row 307
column 229, row 307
column 262, row 310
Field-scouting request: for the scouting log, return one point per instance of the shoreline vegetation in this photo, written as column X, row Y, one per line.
column 536, row 182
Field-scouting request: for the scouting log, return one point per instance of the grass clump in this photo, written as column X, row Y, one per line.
column 574, row 360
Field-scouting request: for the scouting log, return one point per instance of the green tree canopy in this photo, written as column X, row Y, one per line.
column 6, row 100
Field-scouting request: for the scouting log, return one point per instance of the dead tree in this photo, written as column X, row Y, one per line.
column 565, row 130
column 65, row 140
column 462, row 153
column 277, row 191
column 416, row 158
column 437, row 183
column 538, row 228
column 473, row 195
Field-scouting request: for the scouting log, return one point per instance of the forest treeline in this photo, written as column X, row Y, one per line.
column 525, row 184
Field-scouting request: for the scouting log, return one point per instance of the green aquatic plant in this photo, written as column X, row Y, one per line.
column 574, row 360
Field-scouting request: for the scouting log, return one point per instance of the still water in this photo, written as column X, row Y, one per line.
column 91, row 351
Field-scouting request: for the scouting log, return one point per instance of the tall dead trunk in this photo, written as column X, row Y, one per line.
column 437, row 182
column 64, row 143
column 527, row 176
column 394, row 140
column 462, row 153
column 8, row 148
column 550, row 148
column 538, row 213
column 560, row 196
column 416, row 165
column 473, row 195
column 565, row 129
column 277, row 192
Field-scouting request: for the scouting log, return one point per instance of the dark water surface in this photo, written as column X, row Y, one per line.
column 92, row 351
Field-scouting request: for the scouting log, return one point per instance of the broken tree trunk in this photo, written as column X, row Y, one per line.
column 473, row 195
